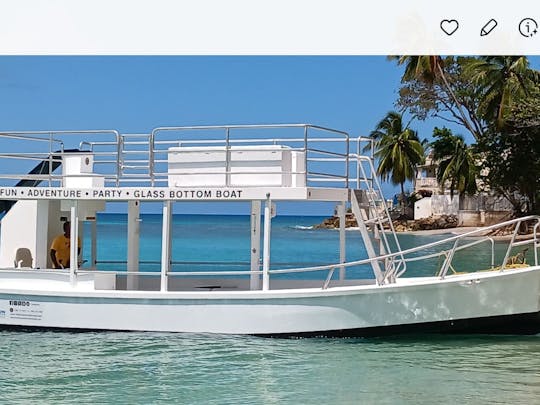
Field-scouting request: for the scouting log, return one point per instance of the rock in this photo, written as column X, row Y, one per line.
column 400, row 225
column 333, row 222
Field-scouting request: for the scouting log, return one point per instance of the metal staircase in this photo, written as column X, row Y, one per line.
column 375, row 225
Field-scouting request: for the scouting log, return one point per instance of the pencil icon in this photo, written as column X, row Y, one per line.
column 490, row 26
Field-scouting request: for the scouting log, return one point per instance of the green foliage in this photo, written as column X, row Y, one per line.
column 425, row 68
column 473, row 92
column 501, row 81
column 398, row 148
column 512, row 156
column 497, row 99
column 457, row 162
column 436, row 86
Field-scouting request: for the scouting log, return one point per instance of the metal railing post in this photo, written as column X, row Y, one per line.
column 227, row 158
column 119, row 159
column 266, row 242
column 50, row 158
column 347, row 161
column 151, row 158
column 448, row 262
column 511, row 245
column 306, row 152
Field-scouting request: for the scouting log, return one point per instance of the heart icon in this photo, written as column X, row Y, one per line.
column 449, row 26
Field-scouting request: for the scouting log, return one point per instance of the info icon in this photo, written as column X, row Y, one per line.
column 528, row 27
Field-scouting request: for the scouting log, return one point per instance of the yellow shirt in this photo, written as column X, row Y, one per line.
column 61, row 245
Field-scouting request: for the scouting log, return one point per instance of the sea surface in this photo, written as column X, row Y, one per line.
column 149, row 368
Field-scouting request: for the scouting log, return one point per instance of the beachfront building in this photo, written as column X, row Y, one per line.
column 426, row 177
column 484, row 208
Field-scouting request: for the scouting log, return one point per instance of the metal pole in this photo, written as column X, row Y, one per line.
column 342, row 240
column 133, row 230
column 511, row 244
column 227, row 159
column 119, row 158
column 165, row 244
column 347, row 153
column 93, row 253
column 254, row 283
column 51, row 159
column 306, row 153
column 266, row 242
column 151, row 141
column 74, row 245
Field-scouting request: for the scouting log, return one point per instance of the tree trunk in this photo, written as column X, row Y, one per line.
column 461, row 201
column 402, row 199
column 458, row 104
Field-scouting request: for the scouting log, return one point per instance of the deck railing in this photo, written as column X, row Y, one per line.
column 331, row 156
column 321, row 152
column 26, row 150
column 458, row 242
column 141, row 159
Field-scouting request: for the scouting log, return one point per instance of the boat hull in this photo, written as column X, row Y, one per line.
column 486, row 302
column 520, row 324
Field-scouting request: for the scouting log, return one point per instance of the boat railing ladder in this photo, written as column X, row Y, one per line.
column 371, row 212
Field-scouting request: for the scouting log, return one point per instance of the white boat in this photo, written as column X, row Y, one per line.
column 78, row 171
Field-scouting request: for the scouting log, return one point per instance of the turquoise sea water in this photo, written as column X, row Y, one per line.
column 149, row 368
column 220, row 242
column 145, row 368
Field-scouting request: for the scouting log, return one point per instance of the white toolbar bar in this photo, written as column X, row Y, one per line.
column 269, row 27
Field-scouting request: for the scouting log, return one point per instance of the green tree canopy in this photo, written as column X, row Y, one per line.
column 500, row 81
column 434, row 73
column 497, row 99
column 456, row 160
column 398, row 149
column 512, row 156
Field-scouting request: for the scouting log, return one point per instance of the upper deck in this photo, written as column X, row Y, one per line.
column 238, row 162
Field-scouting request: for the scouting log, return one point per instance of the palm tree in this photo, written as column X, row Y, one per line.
column 391, row 124
column 429, row 68
column 456, row 162
column 426, row 68
column 398, row 149
column 502, row 80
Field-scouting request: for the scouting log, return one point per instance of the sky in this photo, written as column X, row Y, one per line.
column 139, row 93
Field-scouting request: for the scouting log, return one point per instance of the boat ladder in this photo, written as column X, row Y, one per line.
column 375, row 224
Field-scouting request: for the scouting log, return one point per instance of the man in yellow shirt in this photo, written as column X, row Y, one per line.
column 60, row 248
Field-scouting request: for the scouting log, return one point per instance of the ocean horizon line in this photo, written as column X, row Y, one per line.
column 213, row 214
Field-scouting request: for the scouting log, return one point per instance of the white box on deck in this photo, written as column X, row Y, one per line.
column 78, row 171
column 77, row 163
column 262, row 165
column 88, row 181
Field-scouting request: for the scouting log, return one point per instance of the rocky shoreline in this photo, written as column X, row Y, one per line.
column 400, row 225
